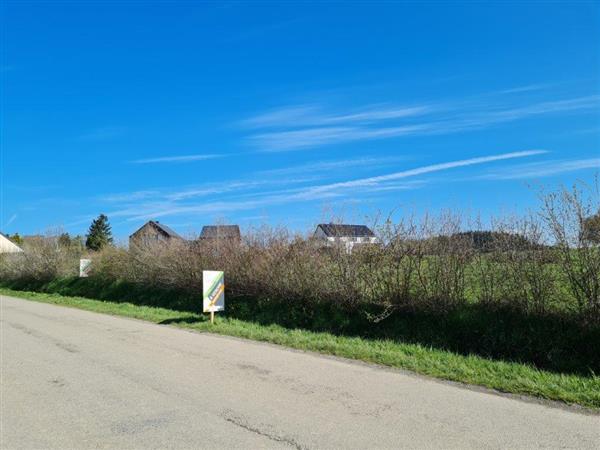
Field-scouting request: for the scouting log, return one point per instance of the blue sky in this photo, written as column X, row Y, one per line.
column 290, row 114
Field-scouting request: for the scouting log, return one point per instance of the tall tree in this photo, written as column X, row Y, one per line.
column 99, row 234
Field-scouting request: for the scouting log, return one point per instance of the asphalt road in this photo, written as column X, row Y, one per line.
column 75, row 379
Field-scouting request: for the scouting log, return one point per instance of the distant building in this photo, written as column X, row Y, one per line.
column 153, row 232
column 8, row 246
column 221, row 232
column 344, row 235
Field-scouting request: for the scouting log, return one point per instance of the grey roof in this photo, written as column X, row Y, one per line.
column 165, row 229
column 220, row 231
column 161, row 227
column 343, row 230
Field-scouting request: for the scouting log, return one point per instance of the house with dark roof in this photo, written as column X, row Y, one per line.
column 221, row 232
column 153, row 232
column 345, row 235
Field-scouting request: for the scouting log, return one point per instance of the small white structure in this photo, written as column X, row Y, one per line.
column 84, row 267
column 347, row 235
column 8, row 246
column 213, row 282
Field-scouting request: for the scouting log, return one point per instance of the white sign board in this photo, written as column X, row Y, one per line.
column 213, row 282
column 84, row 267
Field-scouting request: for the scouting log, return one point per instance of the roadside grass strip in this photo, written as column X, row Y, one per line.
column 503, row 376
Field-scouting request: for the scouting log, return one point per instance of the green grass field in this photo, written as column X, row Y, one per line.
column 501, row 375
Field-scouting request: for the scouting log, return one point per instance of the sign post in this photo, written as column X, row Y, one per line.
column 213, row 283
column 84, row 267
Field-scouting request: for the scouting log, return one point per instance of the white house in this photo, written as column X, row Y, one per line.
column 8, row 246
column 347, row 235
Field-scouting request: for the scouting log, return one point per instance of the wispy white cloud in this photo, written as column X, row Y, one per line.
column 394, row 181
column 378, row 114
column 129, row 196
column 370, row 181
column 178, row 159
column 214, row 189
column 160, row 198
column 314, row 137
column 303, row 128
column 525, row 88
column 80, row 221
column 333, row 165
column 314, row 115
column 544, row 169
column 282, row 117
column 11, row 219
column 397, row 186
column 568, row 105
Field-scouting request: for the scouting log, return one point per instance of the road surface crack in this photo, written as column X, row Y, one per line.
column 36, row 334
column 230, row 417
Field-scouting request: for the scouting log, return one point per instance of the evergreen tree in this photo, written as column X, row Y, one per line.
column 16, row 238
column 99, row 234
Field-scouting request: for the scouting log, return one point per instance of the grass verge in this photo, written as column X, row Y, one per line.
column 503, row 376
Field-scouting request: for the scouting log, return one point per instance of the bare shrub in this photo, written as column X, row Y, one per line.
column 43, row 258
column 487, row 268
column 173, row 265
column 442, row 257
column 389, row 271
column 565, row 214
column 522, row 258
column 432, row 264
column 112, row 263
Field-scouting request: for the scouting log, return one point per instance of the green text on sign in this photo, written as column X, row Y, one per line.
column 213, row 282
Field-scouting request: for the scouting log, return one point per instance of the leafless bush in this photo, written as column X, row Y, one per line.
column 174, row 265
column 442, row 257
column 565, row 213
column 43, row 258
column 387, row 272
column 524, row 256
column 488, row 275
column 535, row 264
